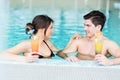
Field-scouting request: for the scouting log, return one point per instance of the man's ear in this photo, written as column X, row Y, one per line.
column 98, row 27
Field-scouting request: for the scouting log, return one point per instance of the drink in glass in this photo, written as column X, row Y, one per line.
column 35, row 46
column 98, row 42
column 98, row 46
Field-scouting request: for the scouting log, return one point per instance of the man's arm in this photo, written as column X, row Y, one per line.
column 114, row 50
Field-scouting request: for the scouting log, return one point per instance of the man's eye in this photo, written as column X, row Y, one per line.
column 88, row 25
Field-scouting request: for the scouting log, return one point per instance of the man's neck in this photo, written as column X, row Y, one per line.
column 90, row 38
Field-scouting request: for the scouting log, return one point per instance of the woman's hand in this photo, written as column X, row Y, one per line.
column 77, row 36
column 31, row 57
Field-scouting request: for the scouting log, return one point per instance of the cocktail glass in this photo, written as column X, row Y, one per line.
column 35, row 46
column 98, row 46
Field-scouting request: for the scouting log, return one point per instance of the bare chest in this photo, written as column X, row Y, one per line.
column 88, row 49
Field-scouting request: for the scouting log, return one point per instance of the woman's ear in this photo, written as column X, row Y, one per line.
column 41, row 33
column 41, row 30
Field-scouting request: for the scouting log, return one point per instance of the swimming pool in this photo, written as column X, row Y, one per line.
column 67, row 22
column 14, row 14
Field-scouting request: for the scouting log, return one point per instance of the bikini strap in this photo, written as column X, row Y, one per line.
column 49, row 48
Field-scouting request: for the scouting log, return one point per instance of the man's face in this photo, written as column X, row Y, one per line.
column 89, row 28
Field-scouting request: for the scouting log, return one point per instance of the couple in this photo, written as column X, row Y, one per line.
column 42, row 27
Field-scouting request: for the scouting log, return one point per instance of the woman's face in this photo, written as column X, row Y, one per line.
column 49, row 31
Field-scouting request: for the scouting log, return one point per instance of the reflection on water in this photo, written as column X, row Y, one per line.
column 68, row 19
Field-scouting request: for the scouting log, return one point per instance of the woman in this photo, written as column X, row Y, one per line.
column 42, row 27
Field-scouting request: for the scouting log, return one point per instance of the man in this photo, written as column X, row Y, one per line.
column 93, row 22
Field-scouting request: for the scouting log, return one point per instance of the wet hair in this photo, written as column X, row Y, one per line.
column 97, row 18
column 39, row 22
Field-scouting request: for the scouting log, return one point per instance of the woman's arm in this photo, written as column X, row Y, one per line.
column 75, row 36
column 69, row 49
column 12, row 53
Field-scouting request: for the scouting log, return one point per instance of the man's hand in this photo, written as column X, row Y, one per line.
column 101, row 59
column 72, row 59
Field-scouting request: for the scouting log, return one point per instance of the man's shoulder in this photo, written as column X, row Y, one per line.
column 109, row 41
column 80, row 39
column 76, row 41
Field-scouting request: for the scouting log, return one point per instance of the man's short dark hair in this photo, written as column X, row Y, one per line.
column 97, row 18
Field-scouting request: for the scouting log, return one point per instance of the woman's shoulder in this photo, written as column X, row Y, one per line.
column 25, row 42
column 48, row 42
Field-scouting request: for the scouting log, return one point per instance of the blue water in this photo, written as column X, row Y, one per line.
column 66, row 23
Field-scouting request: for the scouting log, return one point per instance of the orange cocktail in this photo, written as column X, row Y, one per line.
column 98, row 46
column 35, row 46
column 98, row 42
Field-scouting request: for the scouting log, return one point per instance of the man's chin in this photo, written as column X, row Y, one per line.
column 88, row 36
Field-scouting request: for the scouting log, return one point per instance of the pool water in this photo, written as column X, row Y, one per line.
column 66, row 24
